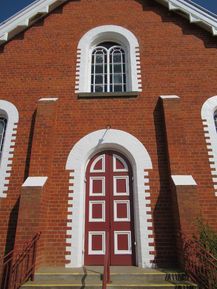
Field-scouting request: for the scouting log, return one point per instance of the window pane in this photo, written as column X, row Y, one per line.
column 99, row 79
column 117, row 68
column 2, row 126
column 3, row 123
column 117, row 78
column 117, row 57
column 118, row 88
column 99, row 88
column 99, row 58
column 215, row 119
column 99, row 69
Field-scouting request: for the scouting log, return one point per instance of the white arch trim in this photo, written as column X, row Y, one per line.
column 76, row 163
column 8, row 110
column 107, row 33
column 207, row 115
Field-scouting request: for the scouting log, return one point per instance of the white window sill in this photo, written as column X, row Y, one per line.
column 127, row 94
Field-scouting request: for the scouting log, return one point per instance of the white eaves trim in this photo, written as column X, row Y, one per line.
column 194, row 12
column 38, row 9
column 26, row 17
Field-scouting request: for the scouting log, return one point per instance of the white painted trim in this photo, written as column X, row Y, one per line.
column 26, row 17
column 8, row 110
column 115, row 157
column 122, row 252
column 194, row 12
column 90, row 247
column 207, row 115
column 139, row 158
column 98, row 178
column 92, row 170
column 183, row 180
column 100, row 34
column 169, row 96
column 35, row 182
column 115, row 208
column 91, row 219
column 48, row 99
column 126, row 178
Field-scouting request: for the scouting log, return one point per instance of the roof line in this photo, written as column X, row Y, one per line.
column 39, row 8
column 26, row 17
column 194, row 13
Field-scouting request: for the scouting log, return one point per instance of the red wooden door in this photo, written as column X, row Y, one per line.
column 109, row 208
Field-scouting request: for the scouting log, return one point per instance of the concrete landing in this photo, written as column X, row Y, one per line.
column 90, row 277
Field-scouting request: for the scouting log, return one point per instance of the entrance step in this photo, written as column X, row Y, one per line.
column 90, row 277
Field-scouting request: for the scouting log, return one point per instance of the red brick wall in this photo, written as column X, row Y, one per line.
column 176, row 58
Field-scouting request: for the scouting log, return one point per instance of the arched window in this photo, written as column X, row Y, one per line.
column 3, row 124
column 108, row 68
column 215, row 119
column 9, row 118
column 209, row 117
column 108, row 61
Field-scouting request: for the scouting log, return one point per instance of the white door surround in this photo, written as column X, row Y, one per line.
column 76, row 163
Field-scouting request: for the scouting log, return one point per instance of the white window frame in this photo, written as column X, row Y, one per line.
column 106, row 33
column 106, row 75
column 9, row 111
column 207, row 114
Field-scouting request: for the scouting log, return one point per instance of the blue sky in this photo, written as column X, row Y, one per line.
column 10, row 7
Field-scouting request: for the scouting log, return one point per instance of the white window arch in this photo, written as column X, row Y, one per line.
column 9, row 118
column 125, row 40
column 209, row 117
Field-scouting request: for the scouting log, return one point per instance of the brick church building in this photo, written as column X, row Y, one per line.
column 108, row 117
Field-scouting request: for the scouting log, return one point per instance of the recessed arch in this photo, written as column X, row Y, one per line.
column 208, row 111
column 113, row 33
column 140, row 160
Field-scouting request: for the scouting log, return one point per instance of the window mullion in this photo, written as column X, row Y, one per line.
column 108, row 70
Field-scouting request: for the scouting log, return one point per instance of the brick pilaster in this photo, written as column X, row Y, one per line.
column 183, row 187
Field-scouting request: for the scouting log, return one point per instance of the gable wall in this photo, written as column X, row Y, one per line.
column 176, row 58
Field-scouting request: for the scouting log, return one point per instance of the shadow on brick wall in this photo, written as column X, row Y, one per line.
column 164, row 230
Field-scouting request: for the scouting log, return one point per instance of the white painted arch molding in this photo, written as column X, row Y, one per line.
column 76, row 163
column 105, row 138
column 100, row 34
column 8, row 110
column 207, row 115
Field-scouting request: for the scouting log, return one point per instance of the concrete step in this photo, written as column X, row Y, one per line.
column 121, row 277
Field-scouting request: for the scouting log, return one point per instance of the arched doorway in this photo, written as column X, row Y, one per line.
column 140, row 161
column 109, row 210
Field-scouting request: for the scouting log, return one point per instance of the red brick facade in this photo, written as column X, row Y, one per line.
column 176, row 59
